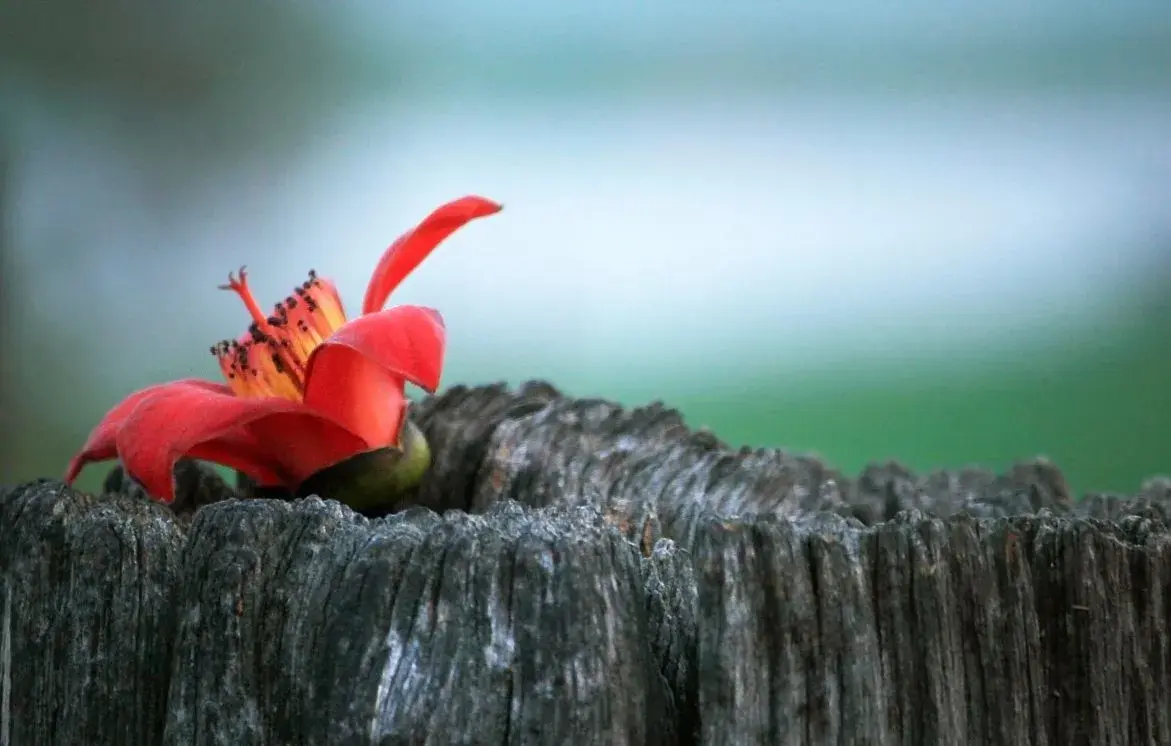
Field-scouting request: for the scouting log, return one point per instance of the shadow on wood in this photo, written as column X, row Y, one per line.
column 609, row 577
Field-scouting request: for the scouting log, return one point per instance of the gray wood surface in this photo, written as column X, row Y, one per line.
column 610, row 577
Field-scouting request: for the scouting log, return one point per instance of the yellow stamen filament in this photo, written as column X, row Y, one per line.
column 270, row 359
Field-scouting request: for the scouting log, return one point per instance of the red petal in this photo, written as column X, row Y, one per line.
column 273, row 440
column 408, row 341
column 100, row 446
column 352, row 389
column 357, row 375
column 401, row 258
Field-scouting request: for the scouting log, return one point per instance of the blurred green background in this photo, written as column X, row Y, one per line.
column 937, row 237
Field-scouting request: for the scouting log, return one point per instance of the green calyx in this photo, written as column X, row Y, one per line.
column 378, row 480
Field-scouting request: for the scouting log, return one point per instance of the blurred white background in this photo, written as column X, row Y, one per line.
column 749, row 210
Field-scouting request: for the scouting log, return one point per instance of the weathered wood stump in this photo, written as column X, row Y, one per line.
column 608, row 577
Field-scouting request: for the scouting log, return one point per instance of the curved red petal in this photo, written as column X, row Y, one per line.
column 357, row 375
column 407, row 341
column 271, row 439
column 349, row 387
column 100, row 446
column 402, row 256
column 243, row 452
column 279, row 449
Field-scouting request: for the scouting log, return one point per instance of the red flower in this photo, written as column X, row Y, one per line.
column 305, row 388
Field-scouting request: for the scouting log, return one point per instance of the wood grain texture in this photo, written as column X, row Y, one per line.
column 575, row 572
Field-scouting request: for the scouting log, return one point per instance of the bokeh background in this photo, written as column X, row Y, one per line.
column 938, row 235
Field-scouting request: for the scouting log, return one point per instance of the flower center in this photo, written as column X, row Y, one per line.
column 271, row 357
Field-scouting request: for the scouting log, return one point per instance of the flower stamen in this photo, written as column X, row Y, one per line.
column 271, row 357
column 240, row 287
